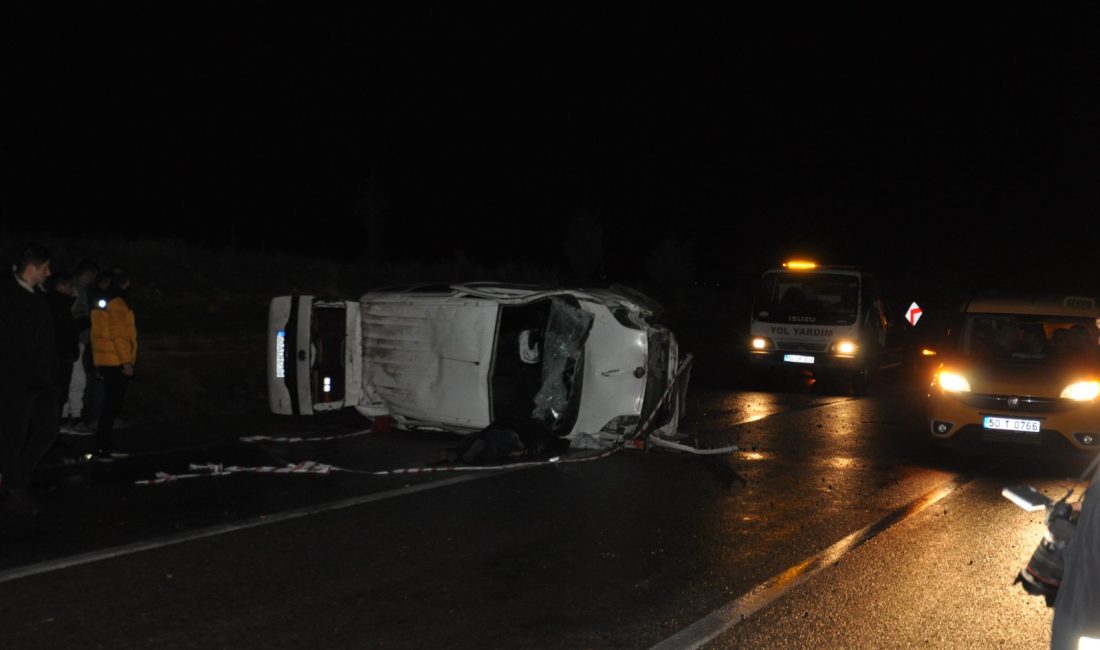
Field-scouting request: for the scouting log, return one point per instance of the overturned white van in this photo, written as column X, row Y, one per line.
column 589, row 363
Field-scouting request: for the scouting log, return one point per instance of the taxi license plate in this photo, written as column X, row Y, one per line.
column 1011, row 424
column 798, row 358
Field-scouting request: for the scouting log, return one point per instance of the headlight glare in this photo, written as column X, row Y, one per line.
column 846, row 347
column 1082, row 391
column 760, row 343
column 953, row 382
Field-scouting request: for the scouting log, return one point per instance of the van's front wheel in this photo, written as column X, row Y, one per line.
column 867, row 371
column 860, row 382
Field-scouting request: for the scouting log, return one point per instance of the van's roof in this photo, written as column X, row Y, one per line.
column 1034, row 305
column 823, row 268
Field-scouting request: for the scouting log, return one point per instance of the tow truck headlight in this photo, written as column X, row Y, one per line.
column 845, row 347
column 953, row 382
column 760, row 343
column 1082, row 391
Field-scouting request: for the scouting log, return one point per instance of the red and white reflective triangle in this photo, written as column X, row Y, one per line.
column 913, row 314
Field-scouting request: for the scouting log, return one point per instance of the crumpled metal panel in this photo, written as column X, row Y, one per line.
column 430, row 361
column 611, row 388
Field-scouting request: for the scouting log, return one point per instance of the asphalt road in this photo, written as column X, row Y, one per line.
column 833, row 525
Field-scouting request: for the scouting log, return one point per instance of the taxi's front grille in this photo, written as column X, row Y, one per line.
column 801, row 346
column 1017, row 437
column 1026, row 404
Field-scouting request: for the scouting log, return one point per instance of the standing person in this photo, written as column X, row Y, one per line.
column 87, row 271
column 93, row 390
column 114, row 347
column 28, row 364
column 59, row 289
column 1077, row 607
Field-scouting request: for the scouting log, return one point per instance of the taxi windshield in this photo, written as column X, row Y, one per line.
column 1030, row 339
column 822, row 298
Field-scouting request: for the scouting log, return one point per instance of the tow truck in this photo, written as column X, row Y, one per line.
column 828, row 320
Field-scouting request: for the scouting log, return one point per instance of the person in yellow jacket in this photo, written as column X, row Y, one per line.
column 114, row 351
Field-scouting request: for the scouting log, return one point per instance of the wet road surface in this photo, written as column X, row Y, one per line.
column 833, row 525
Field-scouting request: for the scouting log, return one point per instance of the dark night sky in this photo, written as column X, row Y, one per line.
column 940, row 140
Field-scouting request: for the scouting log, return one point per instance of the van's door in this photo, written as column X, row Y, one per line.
column 314, row 358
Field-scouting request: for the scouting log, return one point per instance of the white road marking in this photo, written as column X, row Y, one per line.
column 171, row 540
column 263, row 520
column 725, row 617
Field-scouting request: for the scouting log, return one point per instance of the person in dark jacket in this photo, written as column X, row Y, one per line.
column 87, row 272
column 28, row 384
column 1077, row 607
column 94, row 391
column 66, row 332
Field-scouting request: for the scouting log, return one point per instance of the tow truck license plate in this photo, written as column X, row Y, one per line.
column 1011, row 424
column 798, row 358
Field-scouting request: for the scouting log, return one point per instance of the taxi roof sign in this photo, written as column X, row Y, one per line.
column 800, row 265
column 1078, row 302
column 1034, row 305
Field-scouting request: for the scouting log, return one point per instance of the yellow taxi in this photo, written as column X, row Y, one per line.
column 1020, row 372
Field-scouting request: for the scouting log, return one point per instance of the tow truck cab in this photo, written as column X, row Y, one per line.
column 828, row 320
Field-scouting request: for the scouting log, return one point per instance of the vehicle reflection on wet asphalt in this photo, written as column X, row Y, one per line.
column 817, row 522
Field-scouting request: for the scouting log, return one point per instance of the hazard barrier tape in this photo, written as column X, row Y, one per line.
column 305, row 439
column 639, row 440
column 684, row 365
column 311, row 467
column 556, row 460
column 215, row 469
column 665, row 443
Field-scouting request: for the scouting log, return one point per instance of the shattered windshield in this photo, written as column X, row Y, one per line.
column 822, row 298
column 563, row 356
column 1031, row 339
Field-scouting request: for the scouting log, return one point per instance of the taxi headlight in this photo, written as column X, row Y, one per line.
column 953, row 381
column 845, row 347
column 760, row 343
column 1082, row 391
